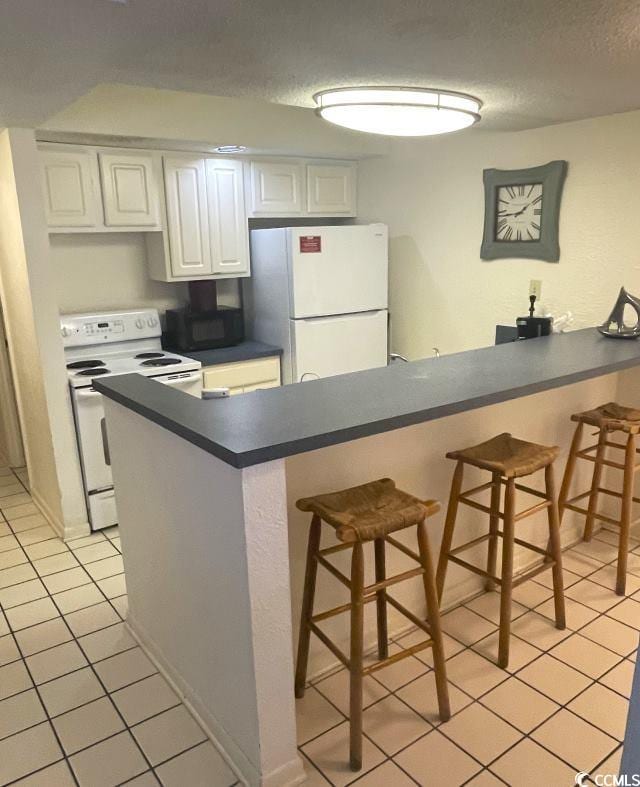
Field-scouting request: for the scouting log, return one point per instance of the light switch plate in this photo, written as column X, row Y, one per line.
column 535, row 288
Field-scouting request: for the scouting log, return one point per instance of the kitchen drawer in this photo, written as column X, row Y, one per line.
column 249, row 375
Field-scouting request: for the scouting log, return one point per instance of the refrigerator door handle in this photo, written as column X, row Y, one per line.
column 308, row 375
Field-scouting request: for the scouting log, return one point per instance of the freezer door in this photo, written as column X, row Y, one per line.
column 337, row 270
column 324, row 346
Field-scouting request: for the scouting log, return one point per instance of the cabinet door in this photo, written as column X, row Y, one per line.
column 70, row 191
column 243, row 376
column 331, row 189
column 276, row 188
column 187, row 220
column 129, row 189
column 228, row 231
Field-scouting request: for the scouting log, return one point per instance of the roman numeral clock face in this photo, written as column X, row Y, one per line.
column 519, row 212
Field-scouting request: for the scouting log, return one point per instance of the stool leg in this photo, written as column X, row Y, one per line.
column 381, row 598
column 311, row 572
column 494, row 524
column 595, row 483
column 625, row 513
column 449, row 524
column 569, row 469
column 555, row 548
column 356, row 656
column 507, row 574
column 433, row 613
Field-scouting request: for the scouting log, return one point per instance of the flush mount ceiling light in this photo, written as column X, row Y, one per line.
column 398, row 111
column 230, row 148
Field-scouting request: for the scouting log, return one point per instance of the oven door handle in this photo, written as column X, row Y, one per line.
column 192, row 378
column 105, row 442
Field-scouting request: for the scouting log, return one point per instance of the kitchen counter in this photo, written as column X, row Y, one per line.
column 272, row 424
column 245, row 351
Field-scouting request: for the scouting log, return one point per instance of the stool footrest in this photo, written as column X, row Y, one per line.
column 600, row 517
column 532, row 510
column 520, row 578
column 403, row 654
column 610, row 492
column 470, row 567
column 479, row 506
column 326, row 641
column 406, row 550
column 608, row 462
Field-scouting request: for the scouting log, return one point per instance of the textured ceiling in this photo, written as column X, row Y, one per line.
column 532, row 62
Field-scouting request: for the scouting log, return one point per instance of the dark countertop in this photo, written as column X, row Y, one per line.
column 278, row 422
column 245, row 351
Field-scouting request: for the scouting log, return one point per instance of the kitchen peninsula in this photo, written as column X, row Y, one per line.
column 214, row 547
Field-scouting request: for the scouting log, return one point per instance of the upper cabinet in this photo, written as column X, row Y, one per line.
column 276, row 188
column 129, row 189
column 331, row 189
column 228, row 232
column 70, row 181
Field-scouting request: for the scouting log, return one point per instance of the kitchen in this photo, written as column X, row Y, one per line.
column 132, row 201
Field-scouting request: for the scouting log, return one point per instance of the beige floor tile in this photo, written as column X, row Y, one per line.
column 65, row 580
column 14, row 557
column 330, row 754
column 112, row 532
column 607, row 577
column 44, row 635
column 19, row 712
column 569, row 578
column 10, row 489
column 529, row 765
column 85, row 541
column 20, row 594
column 585, row 656
column 70, row 691
column 313, row 777
column 581, row 564
column 604, row 708
column 519, row 704
column 5, row 530
column 620, row 678
column 628, row 611
column 611, row 765
column 28, row 751
column 392, row 725
column 633, row 563
column 106, row 568
column 4, row 626
column 386, row 775
column 31, row 614
column 315, row 715
column 402, row 672
column 86, row 621
column 474, row 674
column 125, row 668
column 106, row 642
column 121, row 606
column 144, row 780
column 435, row 761
column 111, row 762
column 485, row 779
column 12, row 576
column 480, row 733
column 87, row 725
column 466, row 626
column 451, row 646
column 37, row 534
column 520, row 652
column 13, row 679
column 422, row 696
column 574, row 740
column 78, row 598
column 577, row 615
column 593, row 595
column 95, row 552
column 22, row 498
column 18, row 512
column 9, row 544
column 113, row 586
column 44, row 548
column 144, row 699
column 336, row 689
column 168, row 734
column 488, row 606
column 612, row 634
column 26, row 522
column 8, row 650
column 55, row 563
column 597, row 549
column 612, row 537
column 55, row 662
column 555, row 679
column 199, row 767
column 538, row 631
column 57, row 775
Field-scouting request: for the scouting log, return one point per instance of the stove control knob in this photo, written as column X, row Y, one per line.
column 152, row 322
column 140, row 323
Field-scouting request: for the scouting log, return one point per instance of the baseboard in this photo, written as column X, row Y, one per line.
column 65, row 533
column 289, row 775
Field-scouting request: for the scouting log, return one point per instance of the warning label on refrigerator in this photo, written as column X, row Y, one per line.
column 310, row 244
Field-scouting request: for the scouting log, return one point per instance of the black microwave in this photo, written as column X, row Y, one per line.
column 190, row 330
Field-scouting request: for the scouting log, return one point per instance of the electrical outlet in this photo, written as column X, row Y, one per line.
column 535, row 288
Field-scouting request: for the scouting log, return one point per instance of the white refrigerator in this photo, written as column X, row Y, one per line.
column 320, row 293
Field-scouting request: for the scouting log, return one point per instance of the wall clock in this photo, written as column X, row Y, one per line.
column 522, row 211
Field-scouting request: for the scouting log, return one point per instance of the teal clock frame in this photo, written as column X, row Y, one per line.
column 552, row 177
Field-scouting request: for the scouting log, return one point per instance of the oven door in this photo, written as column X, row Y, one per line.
column 189, row 382
column 91, row 439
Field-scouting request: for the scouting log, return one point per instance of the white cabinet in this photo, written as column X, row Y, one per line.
column 187, row 217
column 331, row 189
column 276, row 188
column 129, row 189
column 228, row 231
column 70, row 182
column 243, row 376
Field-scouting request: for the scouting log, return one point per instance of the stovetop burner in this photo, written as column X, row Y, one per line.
column 87, row 364
column 162, row 361
column 94, row 372
column 150, row 355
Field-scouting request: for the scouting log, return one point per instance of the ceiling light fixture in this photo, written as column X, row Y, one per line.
column 398, row 111
column 230, row 148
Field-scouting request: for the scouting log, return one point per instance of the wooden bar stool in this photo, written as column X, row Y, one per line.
column 369, row 513
column 506, row 458
column 607, row 418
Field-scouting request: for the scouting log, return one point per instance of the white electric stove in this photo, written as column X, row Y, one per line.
column 104, row 344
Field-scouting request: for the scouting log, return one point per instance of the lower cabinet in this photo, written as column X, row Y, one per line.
column 243, row 376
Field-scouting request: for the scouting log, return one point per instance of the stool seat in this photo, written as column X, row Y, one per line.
column 369, row 511
column 507, row 455
column 612, row 417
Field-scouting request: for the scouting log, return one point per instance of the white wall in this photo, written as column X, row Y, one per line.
column 430, row 193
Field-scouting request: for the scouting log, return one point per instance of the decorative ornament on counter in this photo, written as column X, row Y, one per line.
column 615, row 326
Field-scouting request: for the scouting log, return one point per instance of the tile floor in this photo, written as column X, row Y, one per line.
column 80, row 704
